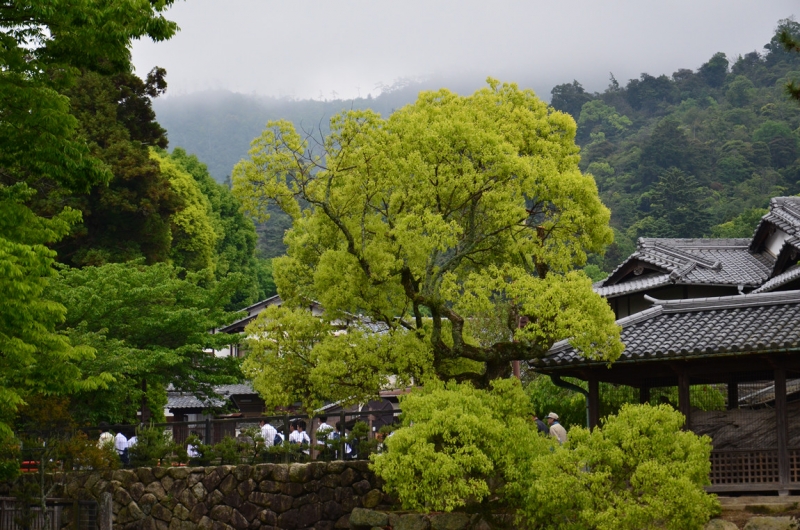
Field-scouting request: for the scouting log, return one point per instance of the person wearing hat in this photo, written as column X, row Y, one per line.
column 540, row 425
column 556, row 430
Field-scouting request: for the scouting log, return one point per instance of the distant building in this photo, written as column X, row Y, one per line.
column 711, row 326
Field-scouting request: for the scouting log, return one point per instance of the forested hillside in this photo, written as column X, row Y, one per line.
column 693, row 154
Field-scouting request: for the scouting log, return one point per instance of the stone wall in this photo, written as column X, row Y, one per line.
column 319, row 495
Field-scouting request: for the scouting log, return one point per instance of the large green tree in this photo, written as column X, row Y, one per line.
column 149, row 326
column 453, row 226
column 44, row 45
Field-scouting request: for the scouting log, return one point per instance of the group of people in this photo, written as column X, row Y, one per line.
column 121, row 443
column 552, row 427
column 326, row 435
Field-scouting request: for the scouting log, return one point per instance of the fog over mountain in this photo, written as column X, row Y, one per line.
column 344, row 49
column 237, row 64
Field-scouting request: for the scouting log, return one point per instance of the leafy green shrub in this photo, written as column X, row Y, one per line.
column 640, row 470
column 154, row 446
column 228, row 451
column 9, row 456
column 459, row 446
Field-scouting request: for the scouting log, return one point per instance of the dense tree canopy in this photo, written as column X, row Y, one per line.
column 235, row 251
column 150, row 328
column 44, row 46
column 453, row 224
column 35, row 357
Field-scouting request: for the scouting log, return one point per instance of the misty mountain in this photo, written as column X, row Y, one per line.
column 219, row 126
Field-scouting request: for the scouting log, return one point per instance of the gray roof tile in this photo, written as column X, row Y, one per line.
column 698, row 261
column 791, row 274
column 701, row 326
column 784, row 212
column 184, row 400
column 181, row 400
column 641, row 283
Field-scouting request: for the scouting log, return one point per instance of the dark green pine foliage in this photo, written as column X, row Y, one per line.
column 129, row 217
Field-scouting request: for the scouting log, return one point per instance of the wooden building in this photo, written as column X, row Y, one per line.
column 713, row 327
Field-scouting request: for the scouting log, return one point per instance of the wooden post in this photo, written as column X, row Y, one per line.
column 342, row 421
column 286, row 433
column 782, row 426
column 733, row 394
column 644, row 395
column 684, row 403
column 594, row 402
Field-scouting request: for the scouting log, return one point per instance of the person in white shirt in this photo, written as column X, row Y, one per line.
column 121, row 446
column 191, row 450
column 295, row 437
column 268, row 433
column 323, row 431
column 299, row 435
column 106, row 438
column 556, row 430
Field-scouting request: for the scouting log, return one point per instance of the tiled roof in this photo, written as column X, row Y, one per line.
column 699, row 261
column 227, row 390
column 641, row 283
column 791, row 274
column 252, row 312
column 182, row 400
column 701, row 326
column 784, row 212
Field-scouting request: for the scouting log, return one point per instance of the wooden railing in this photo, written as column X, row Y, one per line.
column 744, row 466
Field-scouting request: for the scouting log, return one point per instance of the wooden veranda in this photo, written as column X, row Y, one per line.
column 731, row 365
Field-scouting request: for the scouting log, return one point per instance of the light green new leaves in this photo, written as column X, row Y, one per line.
column 35, row 358
column 640, row 470
column 468, row 210
column 459, row 445
column 295, row 356
column 193, row 236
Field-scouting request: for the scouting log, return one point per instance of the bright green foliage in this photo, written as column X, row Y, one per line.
column 154, row 446
column 43, row 45
column 193, row 237
column 743, row 225
column 468, row 210
column 463, row 447
column 460, row 446
column 236, row 236
column 297, row 358
column 640, row 470
column 596, row 116
column 35, row 357
column 147, row 324
column 44, row 160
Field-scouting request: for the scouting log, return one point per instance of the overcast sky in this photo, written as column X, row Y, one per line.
column 315, row 48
